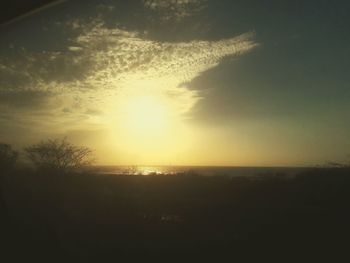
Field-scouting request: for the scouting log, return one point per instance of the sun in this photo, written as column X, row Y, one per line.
column 147, row 121
column 146, row 114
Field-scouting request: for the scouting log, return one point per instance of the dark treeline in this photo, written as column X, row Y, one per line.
column 80, row 217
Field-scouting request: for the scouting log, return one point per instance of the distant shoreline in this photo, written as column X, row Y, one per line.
column 197, row 170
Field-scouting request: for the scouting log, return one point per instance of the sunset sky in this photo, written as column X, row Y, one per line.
column 182, row 82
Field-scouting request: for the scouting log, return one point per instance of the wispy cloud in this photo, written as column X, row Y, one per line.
column 119, row 55
column 103, row 64
column 175, row 9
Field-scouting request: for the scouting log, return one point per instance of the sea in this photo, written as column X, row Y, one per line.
column 198, row 170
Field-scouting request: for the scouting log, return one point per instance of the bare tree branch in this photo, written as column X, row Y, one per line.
column 8, row 156
column 59, row 155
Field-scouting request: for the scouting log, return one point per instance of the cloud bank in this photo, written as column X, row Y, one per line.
column 76, row 86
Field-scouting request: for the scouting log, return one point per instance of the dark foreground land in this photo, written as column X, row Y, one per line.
column 184, row 218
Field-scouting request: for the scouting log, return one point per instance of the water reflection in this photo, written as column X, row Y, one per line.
column 138, row 170
column 198, row 170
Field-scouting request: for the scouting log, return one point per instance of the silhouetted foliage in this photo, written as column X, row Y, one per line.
column 58, row 155
column 8, row 157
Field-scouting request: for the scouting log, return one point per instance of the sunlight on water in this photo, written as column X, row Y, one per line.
column 139, row 170
column 148, row 171
column 197, row 170
column 154, row 170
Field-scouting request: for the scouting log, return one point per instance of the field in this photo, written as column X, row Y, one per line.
column 182, row 218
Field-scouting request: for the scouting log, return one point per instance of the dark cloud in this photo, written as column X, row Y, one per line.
column 26, row 100
column 274, row 82
column 11, row 10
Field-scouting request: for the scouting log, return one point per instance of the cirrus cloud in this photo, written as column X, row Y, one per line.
column 101, row 64
column 175, row 9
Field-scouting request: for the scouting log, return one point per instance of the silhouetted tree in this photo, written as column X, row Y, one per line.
column 8, row 157
column 59, row 155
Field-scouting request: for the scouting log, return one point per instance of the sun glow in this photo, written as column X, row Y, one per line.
column 147, row 121
column 146, row 115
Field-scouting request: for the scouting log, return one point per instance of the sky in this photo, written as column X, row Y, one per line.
column 182, row 82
